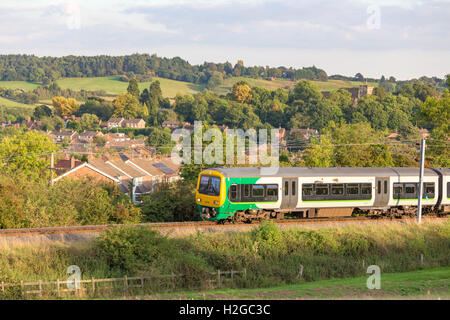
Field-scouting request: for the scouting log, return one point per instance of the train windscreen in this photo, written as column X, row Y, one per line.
column 209, row 185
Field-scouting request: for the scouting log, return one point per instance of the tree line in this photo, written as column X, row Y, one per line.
column 142, row 66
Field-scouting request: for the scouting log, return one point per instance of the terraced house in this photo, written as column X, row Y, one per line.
column 135, row 177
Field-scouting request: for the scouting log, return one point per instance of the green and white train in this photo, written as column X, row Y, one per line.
column 246, row 194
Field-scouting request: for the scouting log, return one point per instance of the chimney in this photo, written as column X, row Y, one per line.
column 72, row 162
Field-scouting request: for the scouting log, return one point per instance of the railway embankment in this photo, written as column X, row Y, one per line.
column 270, row 255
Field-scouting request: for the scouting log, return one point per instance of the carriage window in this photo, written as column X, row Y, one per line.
column 307, row 189
column 322, row 189
column 286, row 188
column 293, row 188
column 272, row 190
column 429, row 188
column 398, row 188
column 352, row 189
column 379, row 186
column 337, row 189
column 410, row 188
column 257, row 190
column 385, row 186
column 366, row 188
column 233, row 192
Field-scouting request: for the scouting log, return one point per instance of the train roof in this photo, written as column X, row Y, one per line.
column 235, row 172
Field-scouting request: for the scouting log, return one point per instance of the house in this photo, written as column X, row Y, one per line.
column 170, row 124
column 9, row 124
column 115, row 123
column 393, row 136
column 424, row 133
column 116, row 137
column 88, row 136
column 134, row 123
column 31, row 124
column 65, row 165
column 59, row 136
column 306, row 133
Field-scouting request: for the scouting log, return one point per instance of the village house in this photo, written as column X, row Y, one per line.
column 132, row 176
column 134, row 123
column 307, row 134
column 60, row 136
column 115, row 123
column 125, row 123
column 88, row 136
column 117, row 137
column 172, row 125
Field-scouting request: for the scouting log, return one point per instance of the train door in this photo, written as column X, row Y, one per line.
column 381, row 192
column 290, row 193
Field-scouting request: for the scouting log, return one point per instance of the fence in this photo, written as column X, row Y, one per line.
column 91, row 286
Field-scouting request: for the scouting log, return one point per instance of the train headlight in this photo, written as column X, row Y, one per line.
column 216, row 202
column 199, row 200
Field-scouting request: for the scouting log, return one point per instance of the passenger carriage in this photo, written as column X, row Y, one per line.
column 245, row 194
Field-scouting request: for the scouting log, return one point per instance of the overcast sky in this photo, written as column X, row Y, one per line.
column 403, row 38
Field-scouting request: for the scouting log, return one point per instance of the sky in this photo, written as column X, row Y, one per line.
column 401, row 38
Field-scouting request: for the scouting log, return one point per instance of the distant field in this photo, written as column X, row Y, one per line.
column 112, row 85
column 9, row 103
column 279, row 83
column 25, row 85
column 420, row 284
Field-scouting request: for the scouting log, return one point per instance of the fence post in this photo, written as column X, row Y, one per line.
column 22, row 287
column 57, row 287
column 142, row 283
column 3, row 287
column 218, row 278
column 126, row 282
column 364, row 264
column 421, row 258
column 232, row 278
column 40, row 288
column 92, row 285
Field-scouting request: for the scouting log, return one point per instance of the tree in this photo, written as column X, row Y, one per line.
column 127, row 106
column 64, row 107
column 306, row 92
column 133, row 88
column 241, row 92
column 359, row 77
column 25, row 154
column 42, row 111
column 89, row 122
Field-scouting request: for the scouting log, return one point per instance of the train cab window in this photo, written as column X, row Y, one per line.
column 286, row 188
column 307, row 189
column 337, row 189
column 322, row 189
column 209, row 185
column 366, row 188
column 272, row 191
column 293, row 188
column 352, row 188
column 257, row 190
column 233, row 192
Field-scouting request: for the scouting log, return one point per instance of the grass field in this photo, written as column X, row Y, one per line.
column 112, row 85
column 421, row 284
column 25, row 85
column 13, row 104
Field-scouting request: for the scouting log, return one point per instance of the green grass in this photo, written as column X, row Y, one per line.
column 421, row 284
column 13, row 104
column 25, row 85
column 112, row 85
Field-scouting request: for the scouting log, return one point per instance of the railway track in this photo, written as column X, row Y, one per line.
column 180, row 225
